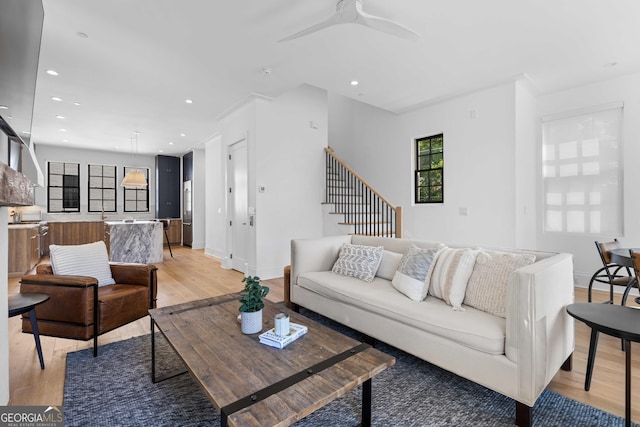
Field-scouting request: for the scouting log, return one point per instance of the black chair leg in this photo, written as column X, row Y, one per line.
column 168, row 242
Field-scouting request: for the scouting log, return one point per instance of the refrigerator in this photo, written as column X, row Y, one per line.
column 187, row 208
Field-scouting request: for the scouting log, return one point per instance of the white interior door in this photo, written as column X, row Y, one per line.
column 238, row 201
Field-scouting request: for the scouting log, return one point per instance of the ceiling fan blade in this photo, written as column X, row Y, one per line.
column 332, row 20
column 387, row 26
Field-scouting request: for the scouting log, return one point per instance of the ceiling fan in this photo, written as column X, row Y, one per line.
column 350, row 12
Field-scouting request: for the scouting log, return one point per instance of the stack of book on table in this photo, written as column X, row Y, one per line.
column 270, row 337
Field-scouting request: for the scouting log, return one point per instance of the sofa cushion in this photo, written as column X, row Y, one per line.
column 82, row 260
column 450, row 274
column 358, row 261
column 412, row 272
column 487, row 286
column 388, row 264
column 472, row 328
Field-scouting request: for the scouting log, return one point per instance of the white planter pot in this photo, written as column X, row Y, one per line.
column 251, row 322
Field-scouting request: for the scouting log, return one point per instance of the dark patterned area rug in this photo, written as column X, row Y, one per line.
column 115, row 389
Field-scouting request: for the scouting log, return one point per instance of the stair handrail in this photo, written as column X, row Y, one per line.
column 396, row 209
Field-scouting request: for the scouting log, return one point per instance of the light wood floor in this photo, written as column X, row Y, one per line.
column 192, row 275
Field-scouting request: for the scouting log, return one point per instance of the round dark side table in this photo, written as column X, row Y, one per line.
column 617, row 321
column 23, row 303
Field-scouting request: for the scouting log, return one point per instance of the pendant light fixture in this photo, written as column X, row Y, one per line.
column 135, row 178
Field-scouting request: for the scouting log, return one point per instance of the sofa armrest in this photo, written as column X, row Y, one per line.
column 540, row 333
column 315, row 254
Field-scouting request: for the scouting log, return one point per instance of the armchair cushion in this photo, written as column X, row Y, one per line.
column 82, row 260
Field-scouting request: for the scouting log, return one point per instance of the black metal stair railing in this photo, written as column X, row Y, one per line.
column 362, row 206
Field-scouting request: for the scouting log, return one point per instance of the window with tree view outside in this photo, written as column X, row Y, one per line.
column 429, row 169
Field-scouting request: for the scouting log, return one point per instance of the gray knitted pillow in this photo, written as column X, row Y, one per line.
column 358, row 261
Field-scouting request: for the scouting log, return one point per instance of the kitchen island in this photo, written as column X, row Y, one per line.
column 134, row 241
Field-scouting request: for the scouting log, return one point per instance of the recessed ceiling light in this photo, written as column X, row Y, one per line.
column 188, row 101
column 59, row 117
column 55, row 98
column 76, row 104
column 161, row 151
column 3, row 107
column 82, row 35
column 170, row 143
column 9, row 117
column 52, row 72
column 354, row 83
column 26, row 132
column 183, row 134
column 62, row 130
column 65, row 140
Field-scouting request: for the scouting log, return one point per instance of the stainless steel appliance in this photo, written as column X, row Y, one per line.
column 187, row 236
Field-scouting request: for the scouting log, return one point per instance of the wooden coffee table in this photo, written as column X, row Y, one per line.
column 253, row 384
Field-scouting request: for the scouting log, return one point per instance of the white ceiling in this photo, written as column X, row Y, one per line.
column 142, row 59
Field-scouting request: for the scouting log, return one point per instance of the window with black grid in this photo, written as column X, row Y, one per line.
column 63, row 187
column 429, row 182
column 136, row 199
column 102, row 188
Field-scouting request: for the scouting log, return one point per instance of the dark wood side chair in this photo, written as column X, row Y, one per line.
column 610, row 273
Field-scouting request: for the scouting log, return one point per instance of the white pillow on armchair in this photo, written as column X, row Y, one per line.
column 82, row 260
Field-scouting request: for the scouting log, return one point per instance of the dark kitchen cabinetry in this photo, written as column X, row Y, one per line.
column 168, row 187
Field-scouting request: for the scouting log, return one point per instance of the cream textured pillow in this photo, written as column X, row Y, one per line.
column 389, row 264
column 82, row 260
column 358, row 261
column 448, row 280
column 487, row 287
column 414, row 267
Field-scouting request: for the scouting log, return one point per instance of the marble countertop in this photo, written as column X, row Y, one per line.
column 137, row 221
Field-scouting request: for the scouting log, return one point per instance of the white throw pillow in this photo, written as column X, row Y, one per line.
column 358, row 261
column 412, row 271
column 450, row 274
column 389, row 264
column 82, row 260
column 487, row 287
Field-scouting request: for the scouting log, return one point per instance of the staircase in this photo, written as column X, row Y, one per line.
column 353, row 207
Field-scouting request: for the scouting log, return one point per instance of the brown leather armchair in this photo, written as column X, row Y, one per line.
column 80, row 309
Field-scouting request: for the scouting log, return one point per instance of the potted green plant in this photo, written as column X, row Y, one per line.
column 251, row 304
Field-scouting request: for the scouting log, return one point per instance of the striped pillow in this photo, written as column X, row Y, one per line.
column 449, row 277
column 358, row 261
column 82, row 260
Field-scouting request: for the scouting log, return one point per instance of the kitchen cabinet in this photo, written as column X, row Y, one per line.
column 24, row 249
column 167, row 187
column 174, row 233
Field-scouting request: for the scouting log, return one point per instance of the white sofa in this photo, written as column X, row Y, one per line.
column 516, row 356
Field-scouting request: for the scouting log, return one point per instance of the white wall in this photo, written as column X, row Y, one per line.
column 627, row 90
column 479, row 164
column 53, row 153
column 4, row 291
column 4, row 307
column 527, row 168
column 215, row 210
column 285, row 147
column 199, row 200
column 291, row 137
